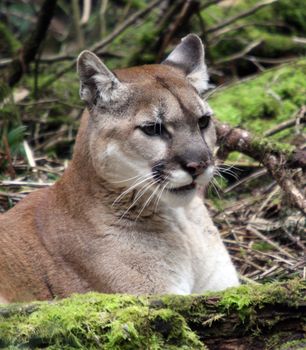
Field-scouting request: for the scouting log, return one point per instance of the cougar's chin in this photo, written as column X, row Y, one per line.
column 180, row 196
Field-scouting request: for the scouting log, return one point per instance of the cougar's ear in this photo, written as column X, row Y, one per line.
column 98, row 85
column 189, row 56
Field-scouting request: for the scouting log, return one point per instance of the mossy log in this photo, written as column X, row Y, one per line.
column 249, row 317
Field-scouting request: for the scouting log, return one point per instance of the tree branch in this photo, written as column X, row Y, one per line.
column 239, row 54
column 240, row 15
column 28, row 52
column 209, row 3
column 275, row 157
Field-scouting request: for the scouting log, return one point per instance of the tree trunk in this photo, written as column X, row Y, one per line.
column 249, row 317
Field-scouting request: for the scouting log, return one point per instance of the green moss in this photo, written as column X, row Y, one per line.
column 262, row 246
column 260, row 103
column 111, row 322
column 87, row 321
column 247, row 300
column 294, row 345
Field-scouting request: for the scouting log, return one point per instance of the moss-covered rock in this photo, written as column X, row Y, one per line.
column 252, row 313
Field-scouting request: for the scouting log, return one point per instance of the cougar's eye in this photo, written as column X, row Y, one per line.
column 204, row 121
column 156, row 129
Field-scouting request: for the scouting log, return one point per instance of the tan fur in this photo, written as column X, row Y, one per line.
column 72, row 238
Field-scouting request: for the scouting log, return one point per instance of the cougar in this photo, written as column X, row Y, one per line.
column 127, row 216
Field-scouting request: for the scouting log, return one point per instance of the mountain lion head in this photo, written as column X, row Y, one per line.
column 149, row 129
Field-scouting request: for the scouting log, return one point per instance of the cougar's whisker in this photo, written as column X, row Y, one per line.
column 215, row 187
column 161, row 193
column 147, row 202
column 144, row 189
column 130, row 178
column 142, row 180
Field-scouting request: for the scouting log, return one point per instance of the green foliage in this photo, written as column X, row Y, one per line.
column 262, row 246
column 274, row 25
column 15, row 138
column 8, row 44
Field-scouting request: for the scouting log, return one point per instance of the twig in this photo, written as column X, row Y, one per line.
column 240, row 15
column 237, row 27
column 300, row 117
column 271, row 60
column 250, row 177
column 295, row 240
column 274, row 166
column 29, row 154
column 239, row 54
column 25, row 183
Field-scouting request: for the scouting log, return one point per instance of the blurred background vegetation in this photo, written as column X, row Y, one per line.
column 255, row 51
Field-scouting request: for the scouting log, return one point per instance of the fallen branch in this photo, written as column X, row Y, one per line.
column 275, row 157
column 247, row 318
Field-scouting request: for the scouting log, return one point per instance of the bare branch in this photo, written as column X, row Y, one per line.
column 240, row 54
column 300, row 117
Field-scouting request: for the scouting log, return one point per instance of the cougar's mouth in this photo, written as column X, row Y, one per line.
column 183, row 189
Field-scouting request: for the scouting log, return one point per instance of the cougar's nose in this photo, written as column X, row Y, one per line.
column 196, row 168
